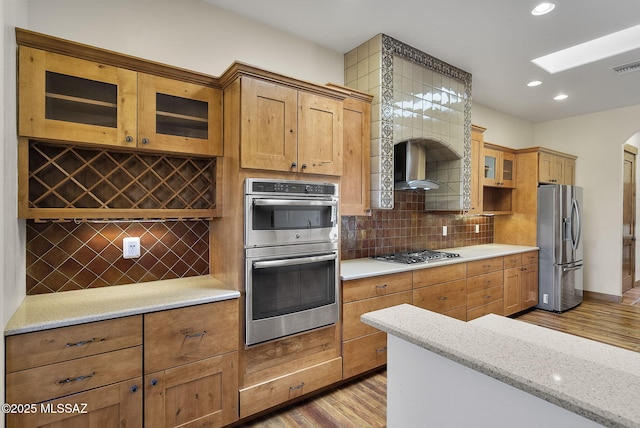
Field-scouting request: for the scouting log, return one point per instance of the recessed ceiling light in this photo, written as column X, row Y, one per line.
column 591, row 51
column 543, row 8
column 534, row 83
column 561, row 97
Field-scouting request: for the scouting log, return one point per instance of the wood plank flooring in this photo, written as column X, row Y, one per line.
column 362, row 403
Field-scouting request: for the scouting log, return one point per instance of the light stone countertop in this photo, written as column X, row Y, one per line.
column 594, row 380
column 45, row 311
column 365, row 267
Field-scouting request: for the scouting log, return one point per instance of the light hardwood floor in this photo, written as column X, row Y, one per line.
column 362, row 403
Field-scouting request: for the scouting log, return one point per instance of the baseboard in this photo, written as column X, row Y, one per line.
column 592, row 295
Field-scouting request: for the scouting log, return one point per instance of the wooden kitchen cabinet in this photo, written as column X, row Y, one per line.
column 442, row 289
column 191, row 365
column 289, row 130
column 521, row 283
column 499, row 166
column 98, row 363
column 555, row 167
column 355, row 181
column 477, row 169
column 65, row 98
column 363, row 347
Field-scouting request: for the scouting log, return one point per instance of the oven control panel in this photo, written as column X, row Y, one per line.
column 287, row 187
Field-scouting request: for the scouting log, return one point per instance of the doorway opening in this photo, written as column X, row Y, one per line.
column 629, row 218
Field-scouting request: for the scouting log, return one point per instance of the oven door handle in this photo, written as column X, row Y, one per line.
column 294, row 202
column 292, row 262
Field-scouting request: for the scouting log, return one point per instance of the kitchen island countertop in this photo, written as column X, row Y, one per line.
column 591, row 379
column 366, row 267
column 45, row 311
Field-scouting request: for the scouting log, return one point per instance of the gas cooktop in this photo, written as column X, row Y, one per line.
column 417, row 256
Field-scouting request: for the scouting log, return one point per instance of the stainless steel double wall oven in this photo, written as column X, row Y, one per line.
column 291, row 257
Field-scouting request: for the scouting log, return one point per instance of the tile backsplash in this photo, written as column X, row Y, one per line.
column 409, row 227
column 63, row 256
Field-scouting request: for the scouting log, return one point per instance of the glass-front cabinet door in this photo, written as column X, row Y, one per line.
column 63, row 98
column 70, row 99
column 499, row 168
column 176, row 116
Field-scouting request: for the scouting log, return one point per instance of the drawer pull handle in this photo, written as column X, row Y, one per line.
column 443, row 298
column 134, row 388
column 195, row 335
column 76, row 379
column 84, row 342
column 487, row 297
column 293, row 388
column 153, row 382
column 381, row 286
column 384, row 349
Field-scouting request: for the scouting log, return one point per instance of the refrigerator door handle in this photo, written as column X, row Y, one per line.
column 569, row 269
column 575, row 239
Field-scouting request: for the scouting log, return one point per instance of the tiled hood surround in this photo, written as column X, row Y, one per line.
column 416, row 97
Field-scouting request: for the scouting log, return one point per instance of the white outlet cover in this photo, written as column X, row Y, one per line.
column 131, row 248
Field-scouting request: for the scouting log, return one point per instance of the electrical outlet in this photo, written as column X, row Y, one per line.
column 444, row 230
column 477, row 228
column 131, row 248
column 545, row 298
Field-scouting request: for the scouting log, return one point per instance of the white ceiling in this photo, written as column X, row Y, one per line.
column 494, row 40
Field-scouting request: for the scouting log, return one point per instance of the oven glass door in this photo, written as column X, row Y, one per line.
column 290, row 295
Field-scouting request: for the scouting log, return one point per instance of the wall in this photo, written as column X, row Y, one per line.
column 503, row 129
column 12, row 13
column 190, row 34
column 597, row 140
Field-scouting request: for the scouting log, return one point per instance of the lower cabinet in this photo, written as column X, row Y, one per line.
column 364, row 348
column 202, row 393
column 280, row 390
column 521, row 283
column 442, row 289
column 485, row 291
column 91, row 375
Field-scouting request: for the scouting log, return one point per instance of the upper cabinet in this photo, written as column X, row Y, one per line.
column 555, row 167
column 499, row 167
column 64, row 98
column 283, row 124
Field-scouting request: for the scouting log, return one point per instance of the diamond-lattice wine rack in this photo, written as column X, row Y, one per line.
column 76, row 182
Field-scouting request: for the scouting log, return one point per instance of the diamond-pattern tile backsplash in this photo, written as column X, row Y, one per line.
column 63, row 256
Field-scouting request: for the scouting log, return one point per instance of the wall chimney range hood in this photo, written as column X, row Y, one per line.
column 410, row 162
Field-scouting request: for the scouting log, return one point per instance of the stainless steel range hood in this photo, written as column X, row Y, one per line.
column 410, row 162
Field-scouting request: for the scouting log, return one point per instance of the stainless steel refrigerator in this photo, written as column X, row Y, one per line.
column 560, row 240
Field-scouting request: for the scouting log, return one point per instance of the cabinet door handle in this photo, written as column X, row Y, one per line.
column 304, row 166
column 153, row 382
column 145, row 141
column 381, row 350
column 294, row 165
column 75, row 379
column 134, row 388
column 443, row 298
column 195, row 335
column 84, row 342
column 293, row 388
column 129, row 139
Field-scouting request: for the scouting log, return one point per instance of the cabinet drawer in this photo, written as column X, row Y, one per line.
column 512, row 260
column 530, row 258
column 271, row 393
column 376, row 286
column 363, row 354
column 482, row 282
column 457, row 313
column 437, row 275
column 442, row 297
column 352, row 327
column 184, row 335
column 492, row 308
column 57, row 380
column 479, row 267
column 484, row 297
column 40, row 348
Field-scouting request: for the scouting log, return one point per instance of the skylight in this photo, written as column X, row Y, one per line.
column 591, row 51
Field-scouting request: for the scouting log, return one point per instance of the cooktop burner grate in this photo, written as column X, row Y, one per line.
column 417, row 256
